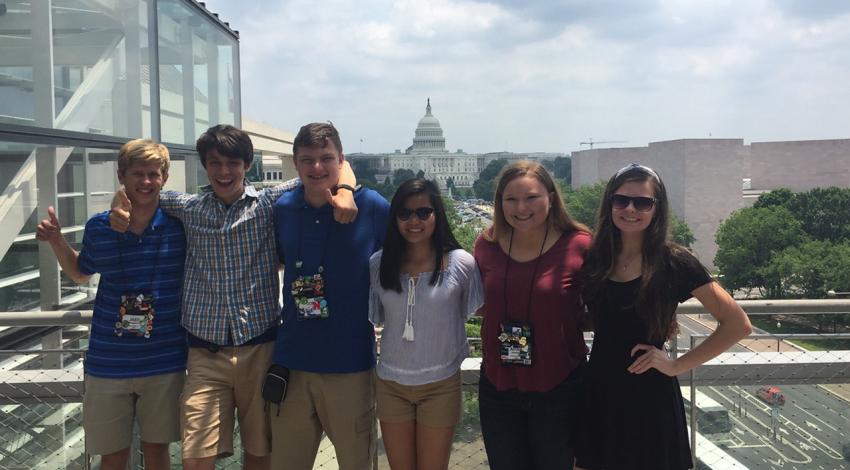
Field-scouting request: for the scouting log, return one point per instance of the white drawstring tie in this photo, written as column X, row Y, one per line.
column 411, row 301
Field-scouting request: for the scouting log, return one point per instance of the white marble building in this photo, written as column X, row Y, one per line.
column 428, row 153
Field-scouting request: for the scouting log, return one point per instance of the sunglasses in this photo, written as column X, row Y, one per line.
column 641, row 203
column 422, row 213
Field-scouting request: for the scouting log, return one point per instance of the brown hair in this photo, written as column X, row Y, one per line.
column 558, row 215
column 661, row 258
column 228, row 141
column 143, row 150
column 316, row 134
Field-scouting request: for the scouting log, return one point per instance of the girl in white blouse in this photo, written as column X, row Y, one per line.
column 424, row 287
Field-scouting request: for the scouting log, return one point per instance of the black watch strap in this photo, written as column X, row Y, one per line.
column 346, row 186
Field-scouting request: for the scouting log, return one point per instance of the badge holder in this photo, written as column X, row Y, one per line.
column 309, row 295
column 135, row 315
column 515, row 344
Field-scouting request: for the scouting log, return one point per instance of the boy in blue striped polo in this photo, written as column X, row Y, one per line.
column 135, row 365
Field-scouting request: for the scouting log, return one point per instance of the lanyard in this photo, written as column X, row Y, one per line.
column 299, row 261
column 533, row 276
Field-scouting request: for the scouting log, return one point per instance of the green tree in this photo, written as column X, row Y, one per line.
column 387, row 189
column 467, row 233
column 824, row 212
column 450, row 185
column 564, row 169
column 680, row 232
column 484, row 189
column 491, row 171
column 401, row 175
column 420, row 174
column 749, row 239
column 582, row 203
column 811, row 269
column 363, row 172
column 485, row 186
column 777, row 197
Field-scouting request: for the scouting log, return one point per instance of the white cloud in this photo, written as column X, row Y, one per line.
column 529, row 76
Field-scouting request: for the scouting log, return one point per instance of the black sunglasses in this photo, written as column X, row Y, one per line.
column 422, row 213
column 641, row 203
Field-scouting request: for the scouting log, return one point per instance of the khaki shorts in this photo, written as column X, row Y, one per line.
column 436, row 404
column 218, row 386
column 111, row 405
column 341, row 405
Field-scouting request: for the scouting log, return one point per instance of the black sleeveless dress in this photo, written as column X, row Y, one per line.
column 632, row 421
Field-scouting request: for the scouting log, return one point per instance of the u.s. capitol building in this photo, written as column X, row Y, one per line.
column 428, row 154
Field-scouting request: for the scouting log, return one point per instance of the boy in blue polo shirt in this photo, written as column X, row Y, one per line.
column 136, row 361
column 326, row 339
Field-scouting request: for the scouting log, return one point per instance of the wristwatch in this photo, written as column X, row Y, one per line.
column 346, row 186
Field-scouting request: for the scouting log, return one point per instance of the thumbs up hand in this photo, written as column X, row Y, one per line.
column 119, row 217
column 49, row 229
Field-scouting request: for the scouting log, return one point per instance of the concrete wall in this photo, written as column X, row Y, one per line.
column 712, row 189
column 274, row 145
column 702, row 176
column 800, row 165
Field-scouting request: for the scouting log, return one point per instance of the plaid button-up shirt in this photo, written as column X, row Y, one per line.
column 231, row 286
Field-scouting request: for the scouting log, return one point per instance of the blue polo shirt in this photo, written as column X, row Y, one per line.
column 345, row 341
column 130, row 264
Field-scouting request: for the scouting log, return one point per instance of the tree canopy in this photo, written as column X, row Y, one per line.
column 788, row 244
column 749, row 239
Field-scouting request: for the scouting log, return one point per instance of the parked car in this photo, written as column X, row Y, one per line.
column 771, row 395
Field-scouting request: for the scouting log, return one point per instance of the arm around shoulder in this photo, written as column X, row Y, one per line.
column 345, row 209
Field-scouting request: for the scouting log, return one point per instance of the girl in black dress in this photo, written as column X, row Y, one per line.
column 634, row 277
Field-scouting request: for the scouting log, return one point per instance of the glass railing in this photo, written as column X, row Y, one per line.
column 775, row 400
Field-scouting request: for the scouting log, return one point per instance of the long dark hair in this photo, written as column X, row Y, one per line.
column 656, row 303
column 395, row 246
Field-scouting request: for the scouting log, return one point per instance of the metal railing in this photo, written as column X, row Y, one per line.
column 733, row 425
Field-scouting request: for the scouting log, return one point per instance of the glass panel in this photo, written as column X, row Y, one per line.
column 227, row 94
column 21, row 296
column 76, row 202
column 16, row 85
column 196, row 73
column 100, row 51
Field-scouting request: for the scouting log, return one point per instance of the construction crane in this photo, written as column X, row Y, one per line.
column 591, row 142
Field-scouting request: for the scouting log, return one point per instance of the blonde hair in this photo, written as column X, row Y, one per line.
column 143, row 150
column 558, row 215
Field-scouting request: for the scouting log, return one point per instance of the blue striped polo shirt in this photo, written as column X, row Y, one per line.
column 131, row 264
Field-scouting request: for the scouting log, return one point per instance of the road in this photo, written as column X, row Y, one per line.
column 806, row 433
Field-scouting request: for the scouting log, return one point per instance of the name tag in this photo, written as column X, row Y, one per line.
column 309, row 295
column 135, row 315
column 515, row 344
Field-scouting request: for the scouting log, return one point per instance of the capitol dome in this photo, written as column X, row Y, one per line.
column 429, row 135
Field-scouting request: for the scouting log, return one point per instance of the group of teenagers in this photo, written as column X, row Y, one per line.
column 188, row 334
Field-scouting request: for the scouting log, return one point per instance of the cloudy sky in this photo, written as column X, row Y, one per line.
column 525, row 76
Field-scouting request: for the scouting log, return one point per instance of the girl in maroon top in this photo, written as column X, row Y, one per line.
column 533, row 346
